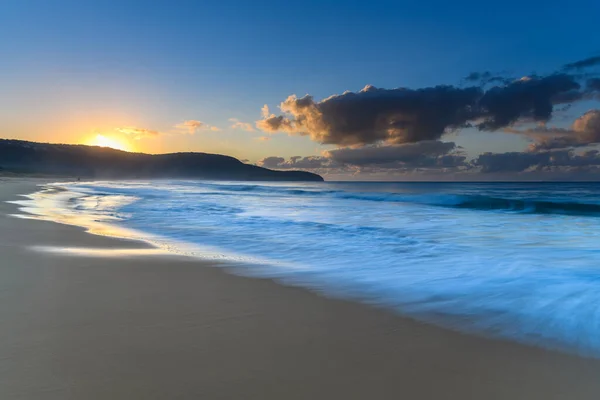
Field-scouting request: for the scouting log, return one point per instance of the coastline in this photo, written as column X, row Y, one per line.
column 163, row 326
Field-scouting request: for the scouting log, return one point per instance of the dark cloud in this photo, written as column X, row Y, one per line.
column 593, row 85
column 510, row 162
column 486, row 78
column 422, row 154
column 442, row 158
column 435, row 155
column 373, row 115
column 396, row 116
column 478, row 76
column 581, row 64
column 569, row 97
column 502, row 106
column 565, row 160
column 499, row 79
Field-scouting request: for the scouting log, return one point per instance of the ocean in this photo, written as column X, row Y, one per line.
column 516, row 261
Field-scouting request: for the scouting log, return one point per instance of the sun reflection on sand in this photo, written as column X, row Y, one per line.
column 48, row 205
column 100, row 252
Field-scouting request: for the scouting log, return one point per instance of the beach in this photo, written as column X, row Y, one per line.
column 143, row 324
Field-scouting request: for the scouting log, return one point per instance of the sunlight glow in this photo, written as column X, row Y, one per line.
column 104, row 141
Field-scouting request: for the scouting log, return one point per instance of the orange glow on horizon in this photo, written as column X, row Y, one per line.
column 113, row 143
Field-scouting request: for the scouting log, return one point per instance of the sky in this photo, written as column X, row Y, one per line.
column 379, row 90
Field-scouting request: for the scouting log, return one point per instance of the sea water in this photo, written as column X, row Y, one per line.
column 518, row 261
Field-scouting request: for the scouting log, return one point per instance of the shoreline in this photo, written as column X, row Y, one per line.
column 166, row 326
column 102, row 226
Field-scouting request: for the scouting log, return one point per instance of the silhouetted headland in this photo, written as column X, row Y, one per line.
column 102, row 162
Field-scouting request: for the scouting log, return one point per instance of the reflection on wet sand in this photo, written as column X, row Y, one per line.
column 99, row 252
column 49, row 204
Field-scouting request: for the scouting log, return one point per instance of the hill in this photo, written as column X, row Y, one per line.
column 19, row 156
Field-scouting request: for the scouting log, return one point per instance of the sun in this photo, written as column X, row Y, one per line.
column 105, row 141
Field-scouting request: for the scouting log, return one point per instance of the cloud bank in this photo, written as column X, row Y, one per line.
column 581, row 64
column 373, row 115
column 403, row 115
column 547, row 161
column 403, row 128
column 431, row 153
column 584, row 131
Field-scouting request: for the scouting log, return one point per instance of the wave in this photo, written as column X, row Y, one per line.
column 446, row 200
column 485, row 203
column 529, row 206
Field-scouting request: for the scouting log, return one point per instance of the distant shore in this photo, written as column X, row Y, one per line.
column 126, row 322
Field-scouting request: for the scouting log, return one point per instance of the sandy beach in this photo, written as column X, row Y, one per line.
column 168, row 327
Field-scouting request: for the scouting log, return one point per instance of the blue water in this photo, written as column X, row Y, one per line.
column 516, row 261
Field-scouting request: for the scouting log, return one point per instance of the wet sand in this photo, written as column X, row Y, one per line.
column 157, row 326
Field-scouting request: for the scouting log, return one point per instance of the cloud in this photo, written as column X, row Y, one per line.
column 593, row 85
column 263, row 138
column 385, row 130
column 396, row 116
column 546, row 161
column 510, row 164
column 584, row 131
column 529, row 97
column 478, row 76
column 264, row 111
column 373, row 115
column 189, row 126
column 192, row 126
column 431, row 155
column 588, row 125
column 581, row 64
column 412, row 155
column 245, row 126
column 271, row 162
column 486, row 77
column 137, row 133
column 296, row 162
column 510, row 161
column 445, row 160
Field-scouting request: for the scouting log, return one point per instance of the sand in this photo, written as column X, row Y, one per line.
column 167, row 327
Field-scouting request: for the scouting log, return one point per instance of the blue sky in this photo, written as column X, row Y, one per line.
column 72, row 69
